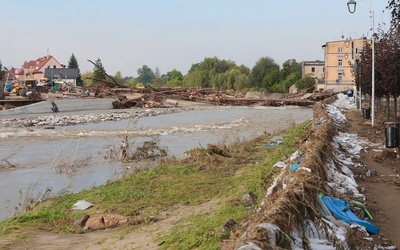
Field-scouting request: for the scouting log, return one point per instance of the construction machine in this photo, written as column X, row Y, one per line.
column 27, row 88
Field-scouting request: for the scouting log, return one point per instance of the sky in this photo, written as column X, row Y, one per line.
column 174, row 34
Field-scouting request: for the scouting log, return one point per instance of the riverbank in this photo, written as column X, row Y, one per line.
column 202, row 200
column 154, row 205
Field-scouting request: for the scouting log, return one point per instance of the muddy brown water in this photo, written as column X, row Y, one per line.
column 72, row 158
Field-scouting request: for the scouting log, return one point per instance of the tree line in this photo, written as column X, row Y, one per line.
column 214, row 73
column 387, row 61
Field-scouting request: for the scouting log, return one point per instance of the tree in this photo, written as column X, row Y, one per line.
column 145, row 75
column 118, row 78
column 73, row 62
column 306, row 83
column 206, row 74
column 157, row 77
column 290, row 66
column 261, row 69
column 174, row 78
column 98, row 71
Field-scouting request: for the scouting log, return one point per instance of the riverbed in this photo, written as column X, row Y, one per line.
column 76, row 156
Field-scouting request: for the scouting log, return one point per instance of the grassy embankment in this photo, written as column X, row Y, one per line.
column 213, row 173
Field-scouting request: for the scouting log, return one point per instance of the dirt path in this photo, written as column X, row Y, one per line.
column 144, row 236
column 383, row 188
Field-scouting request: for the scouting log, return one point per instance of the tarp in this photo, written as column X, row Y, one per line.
column 341, row 210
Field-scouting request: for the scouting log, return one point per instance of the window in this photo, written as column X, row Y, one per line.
column 340, row 76
column 340, row 62
column 313, row 69
column 340, row 50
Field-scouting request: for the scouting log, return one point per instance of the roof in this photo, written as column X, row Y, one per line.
column 43, row 60
column 38, row 63
column 321, row 63
column 67, row 73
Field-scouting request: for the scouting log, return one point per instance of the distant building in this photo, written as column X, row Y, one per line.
column 62, row 75
column 34, row 69
column 340, row 57
column 314, row 69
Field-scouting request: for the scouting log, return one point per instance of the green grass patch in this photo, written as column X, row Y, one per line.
column 212, row 173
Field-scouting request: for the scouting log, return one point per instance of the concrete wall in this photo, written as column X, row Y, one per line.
column 64, row 105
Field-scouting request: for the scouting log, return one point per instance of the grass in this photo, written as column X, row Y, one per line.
column 212, row 173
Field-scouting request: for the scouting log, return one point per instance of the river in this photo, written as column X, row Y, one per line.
column 71, row 158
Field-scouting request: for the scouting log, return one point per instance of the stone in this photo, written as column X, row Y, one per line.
column 249, row 199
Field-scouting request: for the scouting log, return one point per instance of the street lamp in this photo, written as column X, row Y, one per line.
column 351, row 5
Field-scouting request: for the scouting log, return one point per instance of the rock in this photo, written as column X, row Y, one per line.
column 103, row 221
column 95, row 222
column 227, row 227
column 249, row 199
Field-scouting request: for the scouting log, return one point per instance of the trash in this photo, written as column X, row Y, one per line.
column 306, row 169
column 341, row 210
column 54, row 106
column 280, row 164
column 294, row 167
column 82, row 205
column 275, row 141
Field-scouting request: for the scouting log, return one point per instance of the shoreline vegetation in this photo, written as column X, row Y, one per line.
column 217, row 175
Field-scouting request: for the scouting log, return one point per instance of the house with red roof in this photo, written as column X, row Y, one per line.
column 34, row 69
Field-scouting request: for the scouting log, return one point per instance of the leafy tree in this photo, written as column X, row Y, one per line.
column 272, row 78
column 290, row 66
column 306, row 83
column 174, row 78
column 131, row 81
column 214, row 73
column 98, row 71
column 261, row 69
column 118, row 78
column 86, row 79
column 291, row 79
column 145, row 75
column 73, row 62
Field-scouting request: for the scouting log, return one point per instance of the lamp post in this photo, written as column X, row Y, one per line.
column 351, row 5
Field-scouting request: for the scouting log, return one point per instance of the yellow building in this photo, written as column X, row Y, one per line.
column 340, row 57
column 314, row 69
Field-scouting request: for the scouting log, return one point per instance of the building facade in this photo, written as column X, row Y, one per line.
column 340, row 57
column 33, row 69
column 62, row 75
column 314, row 69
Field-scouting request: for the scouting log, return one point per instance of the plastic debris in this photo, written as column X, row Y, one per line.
column 82, row 205
column 294, row 167
column 275, row 141
column 280, row 164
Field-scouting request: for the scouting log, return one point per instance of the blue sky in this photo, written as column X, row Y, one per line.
column 174, row 34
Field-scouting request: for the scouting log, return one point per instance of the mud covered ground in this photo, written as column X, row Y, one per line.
column 382, row 188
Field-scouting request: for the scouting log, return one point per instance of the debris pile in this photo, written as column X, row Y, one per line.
column 314, row 202
column 66, row 120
